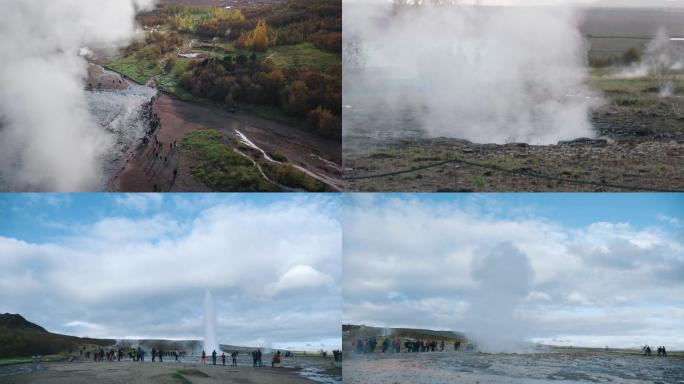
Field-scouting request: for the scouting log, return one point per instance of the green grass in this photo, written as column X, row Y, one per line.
column 180, row 378
column 215, row 164
column 23, row 360
column 135, row 67
column 289, row 176
column 305, row 55
column 192, row 372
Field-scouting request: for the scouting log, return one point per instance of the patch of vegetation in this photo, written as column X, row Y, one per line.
column 23, row 360
column 218, row 166
column 192, row 372
column 135, row 67
column 289, row 176
column 284, row 58
column 180, row 378
column 302, row 55
column 21, row 338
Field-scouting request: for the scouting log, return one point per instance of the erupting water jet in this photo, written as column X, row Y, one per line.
column 210, row 343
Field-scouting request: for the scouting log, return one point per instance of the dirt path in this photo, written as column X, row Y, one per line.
column 145, row 172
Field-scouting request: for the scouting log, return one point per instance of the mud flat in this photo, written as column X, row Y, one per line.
column 463, row 367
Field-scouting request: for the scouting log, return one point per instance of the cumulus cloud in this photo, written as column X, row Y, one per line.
column 600, row 283
column 300, row 277
column 138, row 201
column 126, row 276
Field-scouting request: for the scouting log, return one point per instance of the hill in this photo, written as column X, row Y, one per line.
column 20, row 337
column 351, row 332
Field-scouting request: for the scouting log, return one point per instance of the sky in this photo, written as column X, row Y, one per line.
column 565, row 269
column 137, row 265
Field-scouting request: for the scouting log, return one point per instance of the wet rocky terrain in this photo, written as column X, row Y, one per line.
column 639, row 146
column 537, row 368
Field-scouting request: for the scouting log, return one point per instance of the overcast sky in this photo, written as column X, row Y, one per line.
column 580, row 269
column 137, row 266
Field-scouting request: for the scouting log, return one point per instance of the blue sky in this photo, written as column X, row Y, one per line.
column 565, row 269
column 43, row 216
column 121, row 265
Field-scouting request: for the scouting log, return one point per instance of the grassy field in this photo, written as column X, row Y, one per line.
column 24, row 360
column 216, row 164
column 302, row 55
column 289, row 176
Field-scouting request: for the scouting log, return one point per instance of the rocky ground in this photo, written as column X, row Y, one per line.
column 640, row 148
column 130, row 372
column 523, row 368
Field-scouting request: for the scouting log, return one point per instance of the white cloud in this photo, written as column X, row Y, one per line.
column 424, row 251
column 300, row 276
column 669, row 219
column 578, row 298
column 134, row 273
column 141, row 202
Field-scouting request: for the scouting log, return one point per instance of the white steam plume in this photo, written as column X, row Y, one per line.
column 503, row 276
column 660, row 59
column 48, row 139
column 485, row 74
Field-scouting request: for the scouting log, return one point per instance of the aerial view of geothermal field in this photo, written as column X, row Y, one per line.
column 504, row 96
column 171, row 95
column 103, row 288
column 513, row 288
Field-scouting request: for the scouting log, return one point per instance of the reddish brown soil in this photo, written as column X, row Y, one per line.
column 145, row 172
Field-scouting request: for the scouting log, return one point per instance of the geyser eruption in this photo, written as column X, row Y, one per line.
column 210, row 343
column 503, row 276
column 48, row 139
column 485, row 74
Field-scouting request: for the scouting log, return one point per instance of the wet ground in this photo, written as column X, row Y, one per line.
column 537, row 368
column 313, row 368
column 117, row 104
column 638, row 146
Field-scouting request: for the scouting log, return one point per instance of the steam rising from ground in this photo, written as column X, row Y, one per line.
column 478, row 73
column 48, row 139
column 660, row 58
column 503, row 276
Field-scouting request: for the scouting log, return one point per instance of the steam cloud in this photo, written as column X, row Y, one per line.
column 48, row 138
column 660, row 57
column 503, row 276
column 485, row 74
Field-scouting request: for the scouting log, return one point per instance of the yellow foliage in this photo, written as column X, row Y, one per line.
column 258, row 39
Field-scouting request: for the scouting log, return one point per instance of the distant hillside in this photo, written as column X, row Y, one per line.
column 14, row 321
column 352, row 332
column 20, row 337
